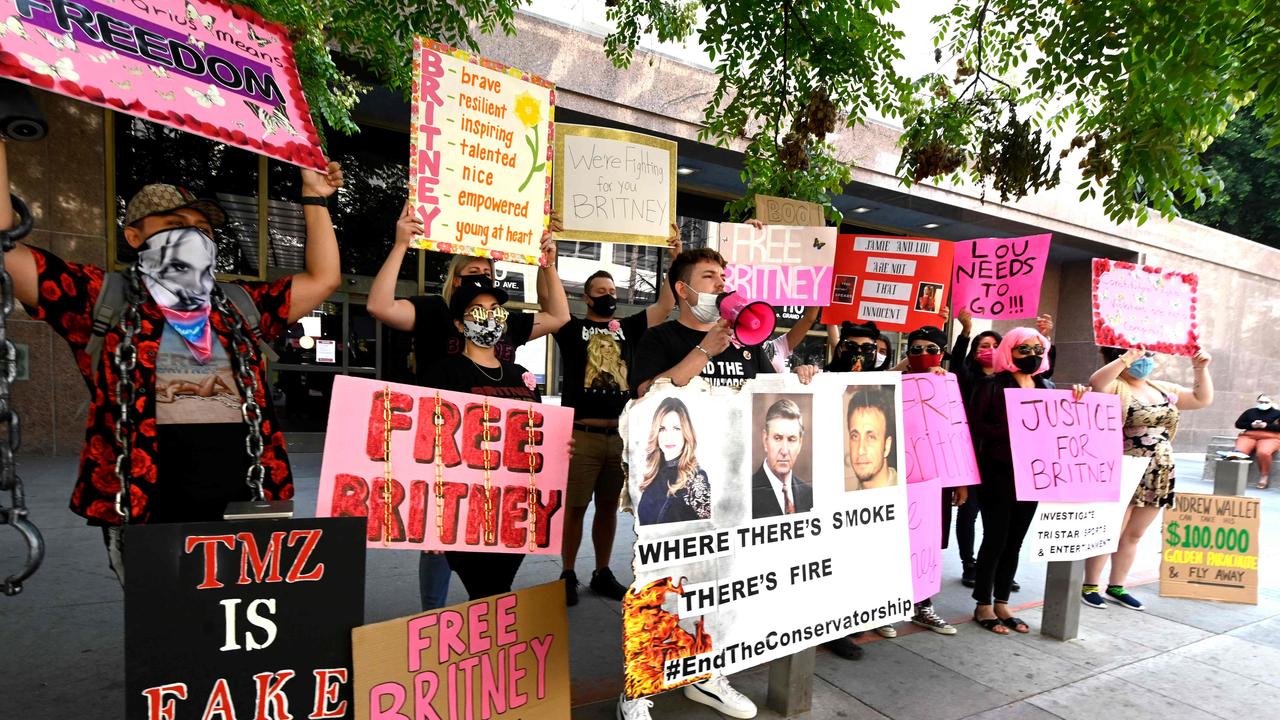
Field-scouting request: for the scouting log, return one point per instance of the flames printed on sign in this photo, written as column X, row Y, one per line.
column 651, row 636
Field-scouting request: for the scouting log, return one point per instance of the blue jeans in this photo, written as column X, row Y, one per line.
column 433, row 580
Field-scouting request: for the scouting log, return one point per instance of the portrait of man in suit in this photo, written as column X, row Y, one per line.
column 775, row 488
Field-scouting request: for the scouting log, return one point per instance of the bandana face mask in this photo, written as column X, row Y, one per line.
column 483, row 327
column 177, row 268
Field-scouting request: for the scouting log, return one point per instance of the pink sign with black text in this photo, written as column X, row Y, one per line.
column 203, row 66
column 936, row 431
column 1065, row 450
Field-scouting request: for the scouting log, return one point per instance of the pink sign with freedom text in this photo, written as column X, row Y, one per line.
column 203, row 66
column 936, row 431
column 1065, row 450
column 468, row 472
column 924, row 520
column 1000, row 278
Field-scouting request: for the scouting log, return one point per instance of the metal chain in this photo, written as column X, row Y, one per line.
column 386, row 465
column 246, row 360
column 489, row 531
column 533, row 484
column 10, row 427
column 439, row 468
column 124, row 360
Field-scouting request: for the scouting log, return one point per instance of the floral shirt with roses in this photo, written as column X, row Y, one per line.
column 68, row 292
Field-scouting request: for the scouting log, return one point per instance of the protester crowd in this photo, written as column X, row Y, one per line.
column 136, row 468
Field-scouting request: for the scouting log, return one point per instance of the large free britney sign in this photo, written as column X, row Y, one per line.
column 207, row 67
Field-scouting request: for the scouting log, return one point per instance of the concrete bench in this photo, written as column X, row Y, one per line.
column 1228, row 442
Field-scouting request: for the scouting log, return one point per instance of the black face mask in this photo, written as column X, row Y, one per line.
column 604, row 305
column 1027, row 365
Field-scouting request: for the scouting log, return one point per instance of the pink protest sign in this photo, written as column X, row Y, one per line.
column 999, row 278
column 207, row 67
column 936, row 431
column 1065, row 450
column 924, row 520
column 441, row 497
column 1144, row 306
column 779, row 264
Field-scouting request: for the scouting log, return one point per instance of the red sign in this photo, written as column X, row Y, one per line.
column 203, row 66
column 899, row 283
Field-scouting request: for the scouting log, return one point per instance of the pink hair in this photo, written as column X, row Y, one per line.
column 1014, row 338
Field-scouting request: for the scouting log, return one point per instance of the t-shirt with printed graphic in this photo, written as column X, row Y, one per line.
column 664, row 346
column 436, row 337
column 596, row 360
column 460, row 374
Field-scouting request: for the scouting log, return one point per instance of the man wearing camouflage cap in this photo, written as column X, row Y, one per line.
column 178, row 388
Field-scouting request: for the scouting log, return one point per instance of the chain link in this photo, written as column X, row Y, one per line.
column 490, row 532
column 124, row 360
column 246, row 359
column 439, row 469
column 10, row 426
column 387, row 495
column 533, row 484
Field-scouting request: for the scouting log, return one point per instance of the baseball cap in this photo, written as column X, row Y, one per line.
column 472, row 287
column 159, row 198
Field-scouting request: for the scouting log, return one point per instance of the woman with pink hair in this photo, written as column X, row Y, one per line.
column 1019, row 362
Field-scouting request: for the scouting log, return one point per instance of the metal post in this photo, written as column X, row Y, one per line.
column 1231, row 477
column 791, row 683
column 1061, row 617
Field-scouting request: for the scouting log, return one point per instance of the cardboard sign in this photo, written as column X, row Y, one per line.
column 778, row 264
column 1211, row 548
column 1000, row 278
column 924, row 520
column 1075, row 531
column 1065, row 450
column 936, row 431
column 480, row 155
column 772, row 210
column 216, row 70
column 614, row 186
column 725, row 577
column 441, row 497
column 1144, row 306
column 899, row 283
column 241, row 619
column 505, row 656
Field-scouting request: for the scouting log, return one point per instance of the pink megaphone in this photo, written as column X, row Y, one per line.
column 752, row 320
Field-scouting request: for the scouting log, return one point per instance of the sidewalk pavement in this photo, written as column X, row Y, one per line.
column 61, row 642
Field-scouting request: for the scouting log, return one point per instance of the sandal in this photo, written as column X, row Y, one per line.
column 1016, row 624
column 990, row 624
column 1262, row 484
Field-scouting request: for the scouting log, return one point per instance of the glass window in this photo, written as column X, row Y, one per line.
column 148, row 153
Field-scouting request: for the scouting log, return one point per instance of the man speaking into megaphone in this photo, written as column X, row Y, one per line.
column 716, row 335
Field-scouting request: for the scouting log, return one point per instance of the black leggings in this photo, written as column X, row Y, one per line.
column 966, row 520
column 1005, row 521
column 485, row 574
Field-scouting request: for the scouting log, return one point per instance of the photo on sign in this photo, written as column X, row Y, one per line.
column 870, row 429
column 674, row 487
column 781, row 454
column 606, row 369
column 929, row 297
column 843, row 289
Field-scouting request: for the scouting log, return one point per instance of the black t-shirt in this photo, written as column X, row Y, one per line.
column 591, row 348
column 460, row 374
column 664, row 346
column 436, row 337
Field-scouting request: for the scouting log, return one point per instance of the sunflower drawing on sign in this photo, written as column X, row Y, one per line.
column 529, row 110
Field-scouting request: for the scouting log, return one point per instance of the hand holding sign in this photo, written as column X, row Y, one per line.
column 322, row 184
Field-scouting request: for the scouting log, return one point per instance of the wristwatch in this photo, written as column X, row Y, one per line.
column 314, row 200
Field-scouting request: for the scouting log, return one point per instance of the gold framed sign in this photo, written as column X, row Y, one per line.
column 614, row 185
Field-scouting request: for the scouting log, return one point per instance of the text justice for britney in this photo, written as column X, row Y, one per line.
column 1074, row 423
column 511, row 449
column 482, row 666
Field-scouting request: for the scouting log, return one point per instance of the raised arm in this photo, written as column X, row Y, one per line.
column 323, row 271
column 1102, row 378
column 554, row 305
column 658, row 312
column 18, row 261
column 796, row 334
column 398, row 314
column 1201, row 393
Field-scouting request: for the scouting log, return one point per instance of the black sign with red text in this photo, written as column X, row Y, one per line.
column 245, row 619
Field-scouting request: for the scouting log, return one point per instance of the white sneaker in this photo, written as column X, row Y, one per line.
column 637, row 709
column 720, row 695
column 887, row 631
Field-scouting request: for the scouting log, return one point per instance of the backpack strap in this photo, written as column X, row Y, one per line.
column 244, row 303
column 106, row 315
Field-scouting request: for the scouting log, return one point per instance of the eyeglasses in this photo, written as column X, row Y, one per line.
column 480, row 314
column 864, row 347
column 922, row 349
column 1036, row 350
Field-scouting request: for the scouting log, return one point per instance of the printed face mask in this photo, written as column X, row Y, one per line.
column 484, row 333
column 1141, row 368
column 177, row 269
column 1027, row 365
column 986, row 357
